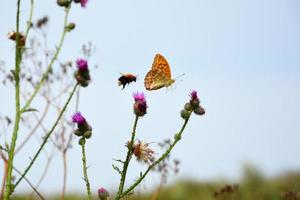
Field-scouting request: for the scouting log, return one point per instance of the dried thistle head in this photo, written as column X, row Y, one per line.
column 42, row 22
column 13, row 36
column 143, row 152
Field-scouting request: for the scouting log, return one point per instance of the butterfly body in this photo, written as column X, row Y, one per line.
column 160, row 74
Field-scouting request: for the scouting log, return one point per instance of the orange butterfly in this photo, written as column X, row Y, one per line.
column 160, row 74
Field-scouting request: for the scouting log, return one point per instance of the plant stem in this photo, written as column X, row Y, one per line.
column 47, row 135
column 4, row 176
column 86, row 179
column 64, row 154
column 128, row 158
column 29, row 19
column 9, row 187
column 162, row 157
column 49, row 67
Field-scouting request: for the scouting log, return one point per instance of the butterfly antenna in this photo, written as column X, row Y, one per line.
column 179, row 76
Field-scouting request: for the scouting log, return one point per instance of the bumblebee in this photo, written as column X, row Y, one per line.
column 126, row 79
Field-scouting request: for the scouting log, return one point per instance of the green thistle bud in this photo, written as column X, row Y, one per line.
column 78, row 132
column 195, row 103
column 81, row 141
column 70, row 27
column 177, row 136
column 188, row 107
column 84, row 83
column 82, row 78
column 185, row 114
column 87, row 134
column 63, row 3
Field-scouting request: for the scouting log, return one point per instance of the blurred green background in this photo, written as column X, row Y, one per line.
column 253, row 186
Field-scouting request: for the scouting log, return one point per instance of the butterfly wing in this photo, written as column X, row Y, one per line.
column 161, row 64
column 155, row 79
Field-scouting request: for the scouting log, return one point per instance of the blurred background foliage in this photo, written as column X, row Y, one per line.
column 252, row 186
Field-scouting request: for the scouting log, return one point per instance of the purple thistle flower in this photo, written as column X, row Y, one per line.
column 103, row 193
column 82, row 64
column 139, row 96
column 193, row 95
column 83, row 3
column 140, row 105
column 194, row 101
column 78, row 118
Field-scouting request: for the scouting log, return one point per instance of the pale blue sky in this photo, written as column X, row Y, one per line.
column 242, row 56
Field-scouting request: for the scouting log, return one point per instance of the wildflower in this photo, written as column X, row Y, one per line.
column 83, row 128
column 103, row 194
column 193, row 95
column 194, row 101
column 78, row 118
column 142, row 152
column 139, row 96
column 192, row 105
column 81, row 64
column 140, row 105
column 82, row 75
column 82, row 2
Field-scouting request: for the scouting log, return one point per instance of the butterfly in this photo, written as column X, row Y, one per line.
column 160, row 74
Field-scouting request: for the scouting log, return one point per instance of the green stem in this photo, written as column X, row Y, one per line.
column 162, row 157
column 86, row 179
column 29, row 19
column 49, row 67
column 48, row 135
column 9, row 187
column 128, row 158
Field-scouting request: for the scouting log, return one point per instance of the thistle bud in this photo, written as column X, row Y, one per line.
column 188, row 107
column 70, row 26
column 83, row 128
column 81, row 141
column 177, row 136
column 63, row 3
column 103, row 194
column 194, row 99
column 185, row 114
column 87, row 134
column 199, row 111
column 78, row 132
column 82, row 75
